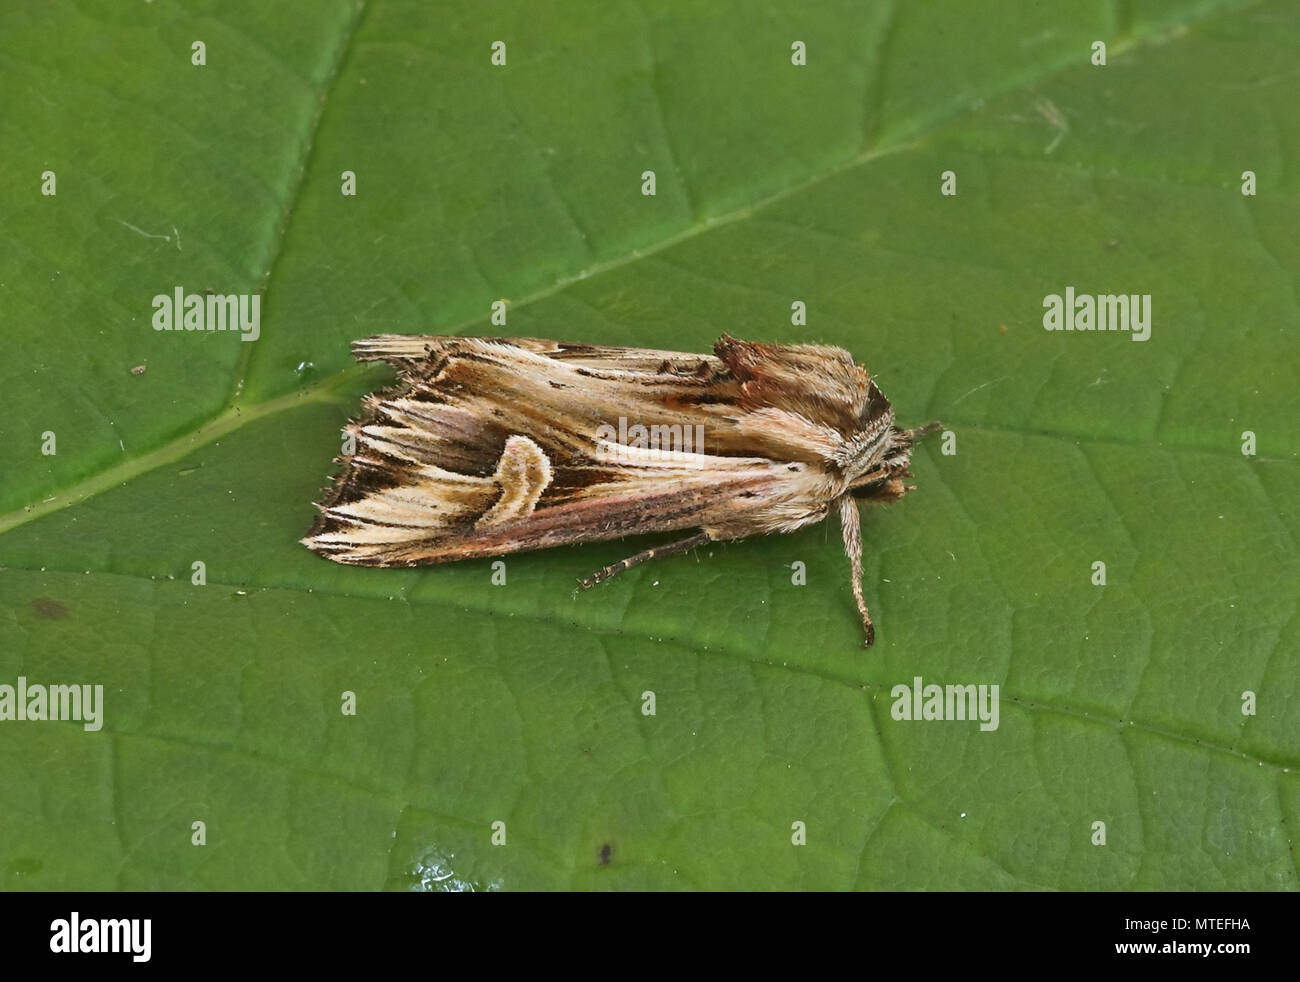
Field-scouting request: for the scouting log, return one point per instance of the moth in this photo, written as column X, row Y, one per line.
column 488, row 446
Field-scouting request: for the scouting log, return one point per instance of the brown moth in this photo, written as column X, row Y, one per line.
column 495, row 445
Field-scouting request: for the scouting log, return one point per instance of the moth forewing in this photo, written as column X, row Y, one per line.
column 489, row 446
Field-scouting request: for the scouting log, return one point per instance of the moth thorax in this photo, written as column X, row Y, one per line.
column 867, row 447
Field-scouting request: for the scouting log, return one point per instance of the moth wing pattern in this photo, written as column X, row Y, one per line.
column 796, row 401
column 488, row 446
column 491, row 445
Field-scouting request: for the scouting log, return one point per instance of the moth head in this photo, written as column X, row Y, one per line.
column 873, row 441
column 882, row 480
column 879, row 475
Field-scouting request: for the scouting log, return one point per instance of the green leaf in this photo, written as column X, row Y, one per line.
column 1120, row 704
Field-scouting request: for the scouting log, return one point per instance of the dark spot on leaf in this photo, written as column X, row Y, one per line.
column 50, row 610
column 605, row 854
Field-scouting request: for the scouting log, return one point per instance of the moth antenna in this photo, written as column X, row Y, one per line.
column 851, row 523
column 918, row 432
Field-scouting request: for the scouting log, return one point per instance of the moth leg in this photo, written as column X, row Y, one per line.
column 852, row 526
column 672, row 549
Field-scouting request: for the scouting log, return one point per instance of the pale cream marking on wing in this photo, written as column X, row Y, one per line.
column 523, row 472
